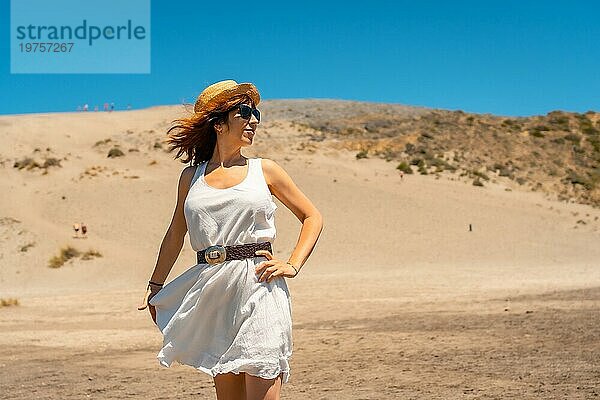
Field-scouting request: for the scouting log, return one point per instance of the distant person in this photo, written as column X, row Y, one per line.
column 84, row 230
column 85, row 107
column 128, row 106
column 112, row 106
column 401, row 175
column 105, row 106
column 95, row 108
column 235, row 293
column 78, row 108
column 76, row 227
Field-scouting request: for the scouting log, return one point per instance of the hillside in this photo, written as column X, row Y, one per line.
column 557, row 153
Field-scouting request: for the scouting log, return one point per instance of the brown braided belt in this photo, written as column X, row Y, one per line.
column 217, row 254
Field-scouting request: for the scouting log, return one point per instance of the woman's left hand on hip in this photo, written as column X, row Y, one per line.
column 272, row 268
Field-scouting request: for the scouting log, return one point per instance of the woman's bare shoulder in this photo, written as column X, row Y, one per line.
column 186, row 175
column 273, row 172
column 190, row 169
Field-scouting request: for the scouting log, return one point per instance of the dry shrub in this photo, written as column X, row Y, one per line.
column 66, row 253
column 9, row 302
column 90, row 254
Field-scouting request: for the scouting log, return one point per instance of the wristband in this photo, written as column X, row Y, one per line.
column 154, row 288
column 293, row 267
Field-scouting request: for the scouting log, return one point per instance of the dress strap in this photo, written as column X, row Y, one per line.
column 259, row 177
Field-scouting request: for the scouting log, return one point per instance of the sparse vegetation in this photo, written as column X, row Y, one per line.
column 26, row 247
column 65, row 255
column 404, row 167
column 523, row 149
column 480, row 175
column 26, row 162
column 69, row 252
column 577, row 179
column 51, row 162
column 538, row 131
column 558, row 118
column 362, row 154
column 101, row 142
column 29, row 163
column 441, row 164
column 90, row 254
column 9, row 302
column 96, row 170
column 115, row 152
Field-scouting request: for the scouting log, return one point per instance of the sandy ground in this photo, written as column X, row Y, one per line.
column 400, row 300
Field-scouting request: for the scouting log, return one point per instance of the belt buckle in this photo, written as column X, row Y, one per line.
column 215, row 254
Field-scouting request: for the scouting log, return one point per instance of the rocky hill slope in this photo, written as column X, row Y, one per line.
column 557, row 153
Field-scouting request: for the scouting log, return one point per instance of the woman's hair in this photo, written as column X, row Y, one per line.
column 195, row 136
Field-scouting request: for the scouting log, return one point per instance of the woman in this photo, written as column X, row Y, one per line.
column 229, row 315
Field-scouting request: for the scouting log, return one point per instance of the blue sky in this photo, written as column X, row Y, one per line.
column 512, row 58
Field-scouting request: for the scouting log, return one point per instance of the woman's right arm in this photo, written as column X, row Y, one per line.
column 173, row 240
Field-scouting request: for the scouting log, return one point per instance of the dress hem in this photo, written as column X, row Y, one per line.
column 236, row 370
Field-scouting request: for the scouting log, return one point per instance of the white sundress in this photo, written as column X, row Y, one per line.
column 219, row 318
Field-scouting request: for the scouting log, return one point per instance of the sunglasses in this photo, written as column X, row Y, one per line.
column 246, row 112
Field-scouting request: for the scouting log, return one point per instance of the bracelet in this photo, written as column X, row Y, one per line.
column 155, row 284
column 154, row 288
column 293, row 267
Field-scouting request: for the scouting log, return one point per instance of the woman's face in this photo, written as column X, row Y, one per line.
column 238, row 129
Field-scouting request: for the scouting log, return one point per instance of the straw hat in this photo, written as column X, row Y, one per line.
column 223, row 90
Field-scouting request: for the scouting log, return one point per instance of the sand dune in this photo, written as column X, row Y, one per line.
column 399, row 299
